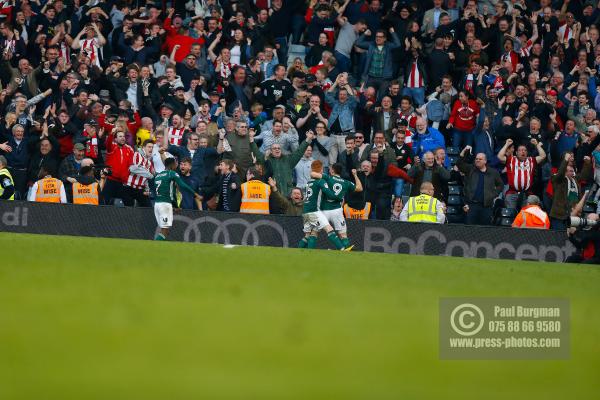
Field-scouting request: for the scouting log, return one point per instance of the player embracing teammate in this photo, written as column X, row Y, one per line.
column 323, row 206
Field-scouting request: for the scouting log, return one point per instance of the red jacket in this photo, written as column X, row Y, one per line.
column 395, row 172
column 119, row 158
column 184, row 41
column 132, row 126
column 464, row 118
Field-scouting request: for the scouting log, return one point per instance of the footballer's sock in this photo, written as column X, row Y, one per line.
column 312, row 242
column 333, row 238
column 346, row 242
column 302, row 243
column 160, row 236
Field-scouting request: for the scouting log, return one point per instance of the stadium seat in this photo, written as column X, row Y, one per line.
column 453, row 210
column 452, row 151
column 454, row 200
column 406, row 189
column 118, row 203
column 508, row 213
column 295, row 50
column 506, row 221
column 455, row 190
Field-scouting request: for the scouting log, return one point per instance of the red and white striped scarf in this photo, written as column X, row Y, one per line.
column 89, row 47
column 64, row 52
column 565, row 33
column 138, row 181
column 175, row 136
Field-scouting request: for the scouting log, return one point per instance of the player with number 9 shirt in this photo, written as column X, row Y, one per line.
column 331, row 207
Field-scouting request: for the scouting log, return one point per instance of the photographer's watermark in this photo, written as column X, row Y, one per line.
column 504, row 328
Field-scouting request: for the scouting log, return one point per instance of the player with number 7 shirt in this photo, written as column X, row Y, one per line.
column 166, row 196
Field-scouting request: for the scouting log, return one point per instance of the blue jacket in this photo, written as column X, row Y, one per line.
column 344, row 111
column 566, row 143
column 429, row 141
column 388, row 65
column 203, row 162
column 19, row 156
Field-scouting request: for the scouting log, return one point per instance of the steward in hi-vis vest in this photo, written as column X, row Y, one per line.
column 7, row 185
column 424, row 208
column 255, row 194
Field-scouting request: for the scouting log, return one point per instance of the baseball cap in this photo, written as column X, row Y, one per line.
column 552, row 92
column 92, row 122
column 214, row 93
column 167, row 105
column 310, row 78
column 116, row 59
column 79, row 146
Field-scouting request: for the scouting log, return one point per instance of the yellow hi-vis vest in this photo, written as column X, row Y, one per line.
column 422, row 209
column 255, row 197
column 5, row 172
column 353, row 213
column 85, row 194
column 48, row 190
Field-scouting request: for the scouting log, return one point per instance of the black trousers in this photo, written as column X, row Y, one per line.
column 112, row 190
column 479, row 215
column 381, row 206
column 20, row 181
column 130, row 195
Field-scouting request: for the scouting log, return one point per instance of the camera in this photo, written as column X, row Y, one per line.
column 103, row 169
column 577, row 222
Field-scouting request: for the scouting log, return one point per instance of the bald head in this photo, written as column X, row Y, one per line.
column 533, row 200
column 86, row 162
column 427, row 188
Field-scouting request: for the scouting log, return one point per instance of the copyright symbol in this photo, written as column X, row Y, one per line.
column 466, row 319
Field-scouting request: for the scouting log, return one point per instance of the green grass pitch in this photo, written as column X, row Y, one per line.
column 86, row 318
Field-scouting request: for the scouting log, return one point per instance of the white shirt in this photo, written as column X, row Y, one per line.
column 236, row 55
column 159, row 166
column 33, row 191
column 132, row 95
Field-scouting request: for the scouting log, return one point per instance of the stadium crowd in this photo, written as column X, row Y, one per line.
column 486, row 102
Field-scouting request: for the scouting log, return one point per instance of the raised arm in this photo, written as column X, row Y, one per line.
column 101, row 38
column 357, row 182
column 213, row 45
column 541, row 153
column 76, row 41
column 502, row 152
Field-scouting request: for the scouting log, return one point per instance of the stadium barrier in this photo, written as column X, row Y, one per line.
column 284, row 231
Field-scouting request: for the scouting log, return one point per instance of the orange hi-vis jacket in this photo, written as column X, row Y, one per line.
column 532, row 217
column 255, row 197
column 85, row 194
column 352, row 213
column 48, row 190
